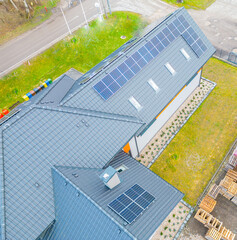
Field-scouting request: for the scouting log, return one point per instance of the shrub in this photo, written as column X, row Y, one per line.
column 173, row 215
column 161, row 233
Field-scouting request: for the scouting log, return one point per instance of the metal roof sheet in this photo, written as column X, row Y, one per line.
column 166, row 196
column 86, row 97
column 36, row 140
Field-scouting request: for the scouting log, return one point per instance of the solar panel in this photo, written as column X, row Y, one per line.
column 118, row 77
column 131, row 203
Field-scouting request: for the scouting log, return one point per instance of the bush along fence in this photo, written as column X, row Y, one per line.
column 33, row 92
column 229, row 57
column 182, row 124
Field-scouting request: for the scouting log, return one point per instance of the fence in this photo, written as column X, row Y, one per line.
column 230, row 57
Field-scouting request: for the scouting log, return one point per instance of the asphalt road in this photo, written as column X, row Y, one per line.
column 219, row 23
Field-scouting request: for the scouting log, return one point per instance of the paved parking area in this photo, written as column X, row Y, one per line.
column 218, row 22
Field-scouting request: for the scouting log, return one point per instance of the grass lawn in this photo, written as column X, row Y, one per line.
column 82, row 51
column 195, row 4
column 195, row 153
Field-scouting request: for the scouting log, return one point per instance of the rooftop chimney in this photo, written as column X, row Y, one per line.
column 110, row 177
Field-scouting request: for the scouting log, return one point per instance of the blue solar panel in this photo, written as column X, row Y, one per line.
column 114, row 87
column 115, row 74
column 141, row 63
column 106, row 94
column 107, row 80
column 148, row 57
column 133, row 195
column 138, row 189
column 99, row 87
column 129, row 62
column 117, row 78
column 143, row 51
column 128, row 74
column 121, row 80
column 122, row 67
column 131, row 203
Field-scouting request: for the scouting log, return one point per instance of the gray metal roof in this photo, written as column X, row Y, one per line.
column 85, row 131
column 38, row 138
column 86, row 97
column 167, row 196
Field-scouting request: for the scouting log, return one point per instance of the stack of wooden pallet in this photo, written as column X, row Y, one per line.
column 213, row 234
column 226, row 234
column 214, row 191
column 216, row 229
column 207, row 219
column 208, row 204
column 229, row 183
column 232, row 163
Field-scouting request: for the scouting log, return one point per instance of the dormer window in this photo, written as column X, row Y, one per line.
column 135, row 103
column 185, row 54
column 153, row 85
column 170, row 68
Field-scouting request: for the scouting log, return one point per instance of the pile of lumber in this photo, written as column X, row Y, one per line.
column 208, row 204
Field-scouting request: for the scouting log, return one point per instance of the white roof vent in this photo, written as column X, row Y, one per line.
column 170, row 68
column 110, row 177
column 153, row 85
column 185, row 54
column 135, row 103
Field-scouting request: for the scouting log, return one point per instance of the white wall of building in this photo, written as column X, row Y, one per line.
column 141, row 141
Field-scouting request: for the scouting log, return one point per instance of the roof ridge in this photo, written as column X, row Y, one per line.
column 95, row 203
column 92, row 113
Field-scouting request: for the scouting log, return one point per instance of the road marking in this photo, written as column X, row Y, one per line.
column 73, row 19
column 43, row 48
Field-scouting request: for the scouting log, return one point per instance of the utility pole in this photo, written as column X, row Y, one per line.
column 109, row 7
column 84, row 14
column 104, row 8
column 66, row 21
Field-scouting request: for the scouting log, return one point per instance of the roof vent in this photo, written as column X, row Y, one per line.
column 110, row 177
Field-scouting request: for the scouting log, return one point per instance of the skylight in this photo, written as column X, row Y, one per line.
column 135, row 103
column 185, row 54
column 153, row 85
column 170, row 68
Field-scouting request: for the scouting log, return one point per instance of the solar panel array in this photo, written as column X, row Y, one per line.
column 117, row 78
column 131, row 203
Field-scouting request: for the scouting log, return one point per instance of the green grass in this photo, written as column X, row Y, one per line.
column 202, row 143
column 40, row 15
column 82, row 51
column 195, row 4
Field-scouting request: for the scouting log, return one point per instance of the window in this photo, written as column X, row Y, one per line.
column 153, row 85
column 170, row 68
column 135, row 103
column 185, row 54
column 121, row 168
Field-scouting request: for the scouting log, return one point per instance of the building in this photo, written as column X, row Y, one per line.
column 60, row 150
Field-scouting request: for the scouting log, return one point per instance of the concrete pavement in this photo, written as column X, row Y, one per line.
column 218, row 22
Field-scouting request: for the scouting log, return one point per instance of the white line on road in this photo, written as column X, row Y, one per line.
column 73, row 19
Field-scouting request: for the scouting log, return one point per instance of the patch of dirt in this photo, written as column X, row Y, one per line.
column 170, row 226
